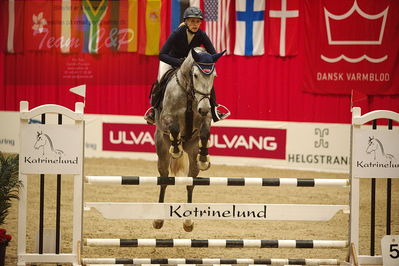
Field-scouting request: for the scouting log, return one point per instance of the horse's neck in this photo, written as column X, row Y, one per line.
column 381, row 148
column 184, row 78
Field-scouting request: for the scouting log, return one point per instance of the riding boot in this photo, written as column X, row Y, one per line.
column 149, row 115
column 217, row 114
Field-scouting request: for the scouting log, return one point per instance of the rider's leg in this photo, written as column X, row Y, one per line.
column 149, row 115
column 217, row 114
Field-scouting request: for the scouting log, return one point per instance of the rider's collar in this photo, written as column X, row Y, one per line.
column 206, row 68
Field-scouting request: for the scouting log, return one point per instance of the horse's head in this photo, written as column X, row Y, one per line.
column 203, row 74
column 372, row 145
column 40, row 140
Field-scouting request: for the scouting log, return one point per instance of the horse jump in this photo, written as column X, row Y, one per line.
column 75, row 259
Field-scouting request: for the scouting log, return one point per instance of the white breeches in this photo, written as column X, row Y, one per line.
column 163, row 67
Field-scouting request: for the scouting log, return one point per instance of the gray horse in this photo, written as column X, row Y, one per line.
column 184, row 120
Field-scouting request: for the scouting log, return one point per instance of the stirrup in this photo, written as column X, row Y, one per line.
column 221, row 115
column 149, row 115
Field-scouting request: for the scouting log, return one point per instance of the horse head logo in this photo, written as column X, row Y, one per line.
column 376, row 148
column 44, row 142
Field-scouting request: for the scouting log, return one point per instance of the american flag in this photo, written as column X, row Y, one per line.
column 216, row 18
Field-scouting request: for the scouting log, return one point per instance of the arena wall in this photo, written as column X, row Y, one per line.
column 289, row 145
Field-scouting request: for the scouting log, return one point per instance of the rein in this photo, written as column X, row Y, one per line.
column 190, row 93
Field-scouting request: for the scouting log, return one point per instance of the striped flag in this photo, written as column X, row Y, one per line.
column 172, row 15
column 216, row 18
column 123, row 23
column 12, row 23
column 67, row 27
column 250, row 27
column 150, row 26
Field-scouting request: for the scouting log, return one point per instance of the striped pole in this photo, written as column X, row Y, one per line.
column 178, row 261
column 207, row 243
column 217, row 181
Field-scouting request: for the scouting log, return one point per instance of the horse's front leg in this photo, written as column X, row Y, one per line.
column 161, row 142
column 176, row 148
column 203, row 156
column 192, row 150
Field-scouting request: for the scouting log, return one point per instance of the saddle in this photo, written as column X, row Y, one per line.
column 158, row 88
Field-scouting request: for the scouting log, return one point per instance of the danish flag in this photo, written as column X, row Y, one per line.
column 283, row 27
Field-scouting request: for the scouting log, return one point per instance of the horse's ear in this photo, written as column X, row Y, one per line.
column 195, row 55
column 217, row 56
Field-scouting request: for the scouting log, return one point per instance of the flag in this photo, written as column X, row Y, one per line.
column 172, row 15
column 12, row 23
column 216, row 23
column 67, row 21
column 79, row 90
column 123, row 25
column 249, row 27
column 351, row 47
column 178, row 7
column 37, row 25
column 94, row 29
column 132, row 26
column 150, row 26
column 283, row 27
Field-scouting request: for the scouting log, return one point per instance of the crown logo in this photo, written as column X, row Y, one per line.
column 374, row 24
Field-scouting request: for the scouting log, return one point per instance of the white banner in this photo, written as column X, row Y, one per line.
column 216, row 211
column 375, row 153
column 51, row 149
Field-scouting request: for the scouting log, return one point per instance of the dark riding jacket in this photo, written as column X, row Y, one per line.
column 177, row 46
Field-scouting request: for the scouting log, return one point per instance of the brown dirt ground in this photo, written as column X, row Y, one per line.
column 97, row 227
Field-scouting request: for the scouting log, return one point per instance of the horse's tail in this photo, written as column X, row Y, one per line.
column 179, row 166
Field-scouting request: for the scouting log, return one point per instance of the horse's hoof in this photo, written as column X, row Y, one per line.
column 203, row 166
column 188, row 227
column 157, row 224
column 203, row 162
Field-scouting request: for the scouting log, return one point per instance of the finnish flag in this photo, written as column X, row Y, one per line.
column 249, row 27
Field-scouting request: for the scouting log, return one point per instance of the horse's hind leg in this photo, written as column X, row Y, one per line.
column 188, row 225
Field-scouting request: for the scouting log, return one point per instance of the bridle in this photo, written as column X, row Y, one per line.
column 190, row 98
column 192, row 91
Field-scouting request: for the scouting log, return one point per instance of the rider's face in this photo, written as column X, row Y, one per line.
column 193, row 24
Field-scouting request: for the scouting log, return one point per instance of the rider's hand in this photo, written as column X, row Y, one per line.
column 181, row 60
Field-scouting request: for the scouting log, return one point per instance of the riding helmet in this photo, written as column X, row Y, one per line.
column 192, row 12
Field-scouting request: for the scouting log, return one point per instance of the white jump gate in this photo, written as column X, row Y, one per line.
column 179, row 210
column 370, row 161
column 51, row 149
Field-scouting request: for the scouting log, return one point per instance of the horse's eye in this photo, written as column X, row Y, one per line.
column 195, row 76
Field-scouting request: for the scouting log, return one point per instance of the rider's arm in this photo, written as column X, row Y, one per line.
column 207, row 43
column 166, row 48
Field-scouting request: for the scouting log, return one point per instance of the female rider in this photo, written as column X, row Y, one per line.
column 187, row 36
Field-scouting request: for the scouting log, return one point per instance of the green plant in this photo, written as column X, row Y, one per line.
column 9, row 183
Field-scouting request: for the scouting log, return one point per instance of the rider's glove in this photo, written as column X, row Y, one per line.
column 181, row 60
